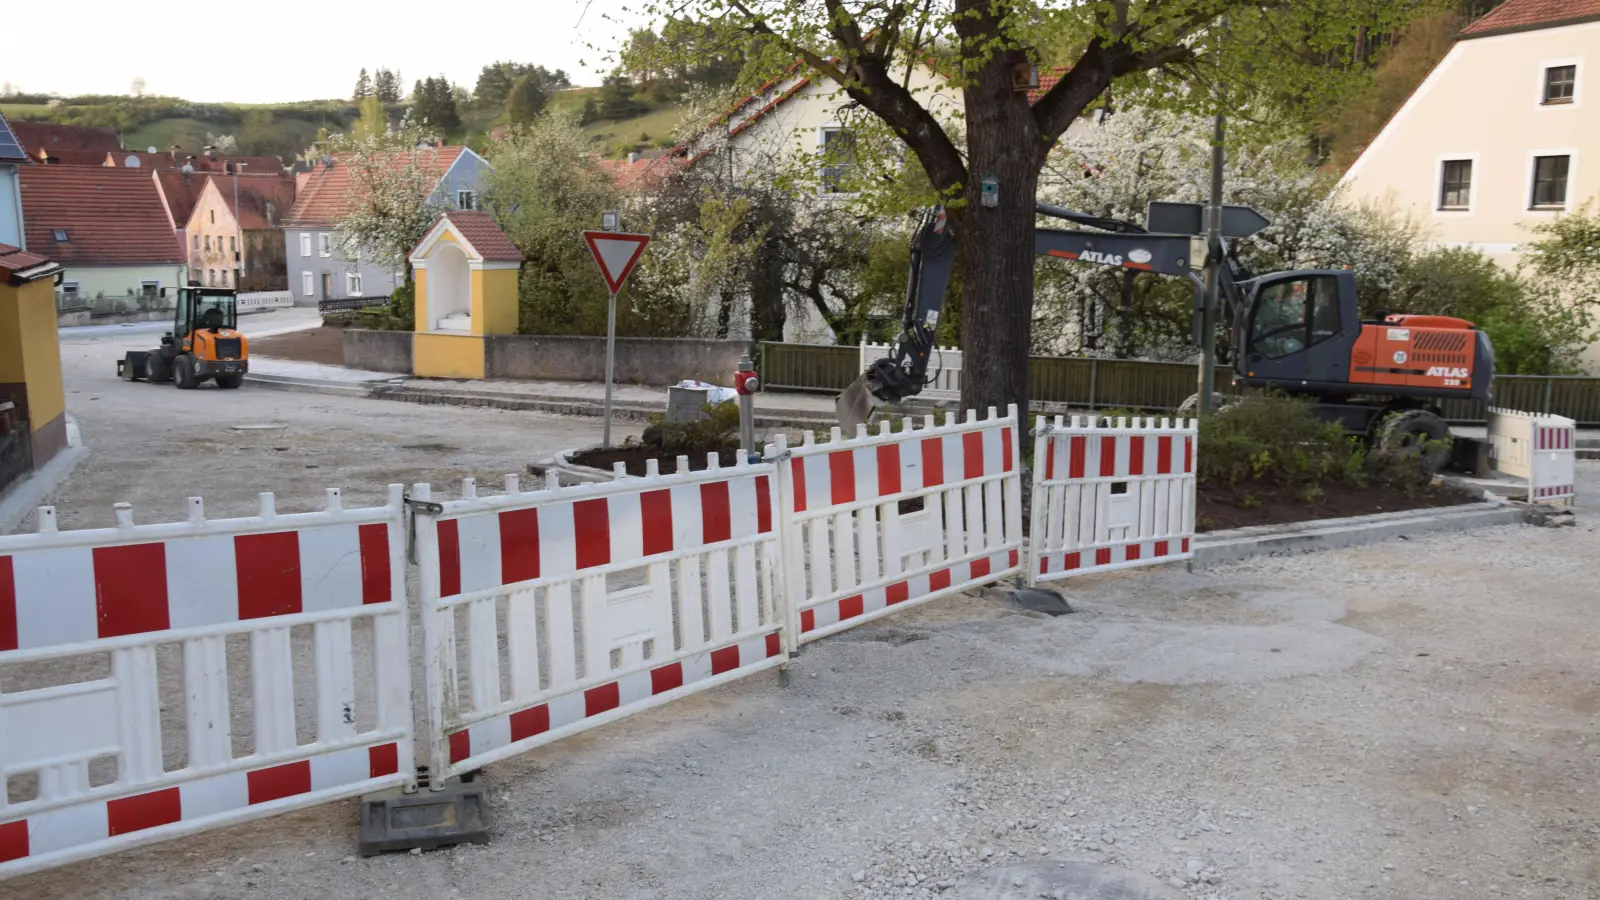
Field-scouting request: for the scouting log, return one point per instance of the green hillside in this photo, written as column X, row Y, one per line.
column 286, row 130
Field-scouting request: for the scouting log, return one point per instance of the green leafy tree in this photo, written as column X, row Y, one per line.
column 1169, row 50
column 1566, row 251
column 434, row 104
column 544, row 190
column 363, row 87
column 591, row 112
column 373, row 120
column 527, row 99
column 494, row 84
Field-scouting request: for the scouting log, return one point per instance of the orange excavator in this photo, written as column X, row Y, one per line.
column 1297, row 332
column 204, row 344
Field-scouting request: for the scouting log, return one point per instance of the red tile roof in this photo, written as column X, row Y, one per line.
column 255, row 193
column 144, row 160
column 263, row 165
column 1523, row 15
column 641, row 174
column 36, row 136
column 72, row 157
column 179, row 192
column 112, row 217
column 1048, row 78
column 327, row 195
column 17, row 265
column 485, row 236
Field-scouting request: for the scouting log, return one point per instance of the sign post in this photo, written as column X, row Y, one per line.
column 616, row 253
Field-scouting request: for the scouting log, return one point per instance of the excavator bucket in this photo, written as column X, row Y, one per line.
column 855, row 405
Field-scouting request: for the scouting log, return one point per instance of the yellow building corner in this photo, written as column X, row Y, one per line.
column 33, row 404
column 466, row 288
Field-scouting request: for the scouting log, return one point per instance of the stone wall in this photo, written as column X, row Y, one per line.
column 655, row 361
column 378, row 351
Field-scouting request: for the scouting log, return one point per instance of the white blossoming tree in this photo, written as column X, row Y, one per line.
column 392, row 176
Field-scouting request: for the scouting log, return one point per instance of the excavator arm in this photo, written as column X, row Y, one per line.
column 904, row 372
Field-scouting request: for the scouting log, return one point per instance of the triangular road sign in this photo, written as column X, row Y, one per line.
column 616, row 253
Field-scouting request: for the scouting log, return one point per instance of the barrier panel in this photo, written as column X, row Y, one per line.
column 1110, row 497
column 579, row 605
column 1541, row 449
column 167, row 679
column 877, row 523
column 944, row 370
column 256, row 301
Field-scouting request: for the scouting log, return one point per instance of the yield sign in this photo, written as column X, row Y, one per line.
column 616, row 253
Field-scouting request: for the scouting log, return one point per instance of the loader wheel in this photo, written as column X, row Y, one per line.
column 229, row 382
column 156, row 370
column 1417, row 433
column 183, row 373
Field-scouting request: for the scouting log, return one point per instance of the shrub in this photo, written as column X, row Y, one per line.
column 717, row 433
column 1277, row 440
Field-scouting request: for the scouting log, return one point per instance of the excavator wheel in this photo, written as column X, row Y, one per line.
column 156, row 368
column 229, row 382
column 1416, row 432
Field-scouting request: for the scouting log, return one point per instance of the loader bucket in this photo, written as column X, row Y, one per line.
column 855, row 405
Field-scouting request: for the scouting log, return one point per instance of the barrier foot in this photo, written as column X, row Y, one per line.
column 1034, row 599
column 394, row 820
column 783, row 675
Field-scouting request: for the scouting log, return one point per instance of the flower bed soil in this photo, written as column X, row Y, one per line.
column 1222, row 507
column 316, row 345
column 634, row 456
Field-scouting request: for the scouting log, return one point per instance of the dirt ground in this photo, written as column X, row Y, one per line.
column 1415, row 720
column 1222, row 507
column 318, row 345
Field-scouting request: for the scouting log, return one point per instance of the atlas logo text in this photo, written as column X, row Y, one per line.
column 1095, row 256
column 1446, row 372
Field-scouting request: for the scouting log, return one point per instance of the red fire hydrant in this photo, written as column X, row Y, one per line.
column 746, row 382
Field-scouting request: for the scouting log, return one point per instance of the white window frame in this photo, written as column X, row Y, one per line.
column 352, row 284
column 324, row 245
column 822, row 146
column 1438, row 184
column 1544, row 73
column 1532, row 169
column 150, row 283
column 472, row 198
column 308, row 284
column 69, row 289
column 305, row 243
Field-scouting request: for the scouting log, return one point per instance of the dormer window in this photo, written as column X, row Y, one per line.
column 60, row 234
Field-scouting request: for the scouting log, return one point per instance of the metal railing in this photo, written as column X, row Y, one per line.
column 351, row 304
column 1094, row 383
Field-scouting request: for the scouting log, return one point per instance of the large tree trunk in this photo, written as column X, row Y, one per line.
column 996, row 258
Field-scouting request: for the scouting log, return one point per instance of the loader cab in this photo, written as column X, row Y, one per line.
column 1295, row 330
column 203, row 309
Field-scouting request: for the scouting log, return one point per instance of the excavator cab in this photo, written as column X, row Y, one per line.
column 204, row 344
column 1296, row 329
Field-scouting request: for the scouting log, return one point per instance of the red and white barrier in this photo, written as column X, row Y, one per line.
column 1110, row 497
column 881, row 522
column 583, row 604
column 1542, row 449
column 143, row 593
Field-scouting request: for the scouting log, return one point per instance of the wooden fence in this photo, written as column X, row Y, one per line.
column 1144, row 384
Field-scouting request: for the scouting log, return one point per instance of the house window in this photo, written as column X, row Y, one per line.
column 224, row 277
column 208, row 242
column 197, row 242
column 352, row 284
column 211, row 278
column 325, row 245
column 1550, row 181
column 150, row 289
column 60, row 234
column 308, row 285
column 466, row 200
column 1455, row 187
column 305, row 245
column 213, row 217
column 838, row 157
column 233, row 243
column 1560, row 84
column 69, row 289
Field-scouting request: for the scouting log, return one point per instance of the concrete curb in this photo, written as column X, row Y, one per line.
column 26, row 495
column 631, row 410
column 1327, row 534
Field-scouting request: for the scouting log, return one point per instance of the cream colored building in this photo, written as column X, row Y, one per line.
column 1502, row 135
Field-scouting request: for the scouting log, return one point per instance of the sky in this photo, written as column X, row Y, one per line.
column 265, row 53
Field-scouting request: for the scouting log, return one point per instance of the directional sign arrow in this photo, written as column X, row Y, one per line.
column 1190, row 218
column 616, row 253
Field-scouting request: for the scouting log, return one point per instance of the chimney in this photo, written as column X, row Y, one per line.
column 633, row 157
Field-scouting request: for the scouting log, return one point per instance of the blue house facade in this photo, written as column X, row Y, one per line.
column 12, row 156
column 318, row 269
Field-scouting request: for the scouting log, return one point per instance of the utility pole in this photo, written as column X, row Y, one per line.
column 238, row 226
column 1214, row 260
